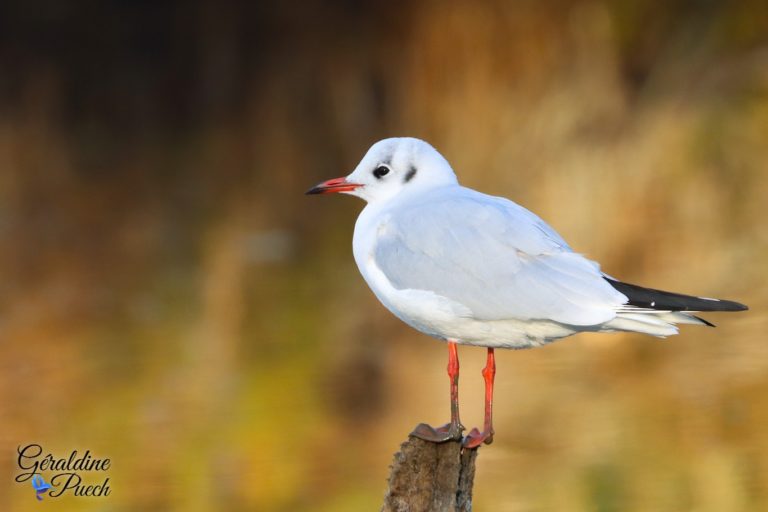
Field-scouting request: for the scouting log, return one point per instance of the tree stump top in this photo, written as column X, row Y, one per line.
column 428, row 476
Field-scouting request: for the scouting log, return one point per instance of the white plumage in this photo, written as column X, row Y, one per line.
column 474, row 269
column 461, row 265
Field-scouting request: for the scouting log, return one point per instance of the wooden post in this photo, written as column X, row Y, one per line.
column 429, row 477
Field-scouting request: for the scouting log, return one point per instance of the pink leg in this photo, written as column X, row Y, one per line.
column 452, row 431
column 475, row 438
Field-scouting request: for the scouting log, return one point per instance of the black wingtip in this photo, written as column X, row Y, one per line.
column 650, row 298
column 705, row 322
column 725, row 305
column 740, row 306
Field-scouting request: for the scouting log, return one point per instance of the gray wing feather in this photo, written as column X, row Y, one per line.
column 495, row 257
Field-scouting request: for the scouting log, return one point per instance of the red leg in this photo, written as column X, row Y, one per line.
column 475, row 438
column 453, row 375
column 452, row 431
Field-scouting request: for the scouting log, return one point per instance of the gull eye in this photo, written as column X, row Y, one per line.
column 380, row 171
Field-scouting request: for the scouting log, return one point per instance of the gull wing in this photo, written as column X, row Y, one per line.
column 494, row 257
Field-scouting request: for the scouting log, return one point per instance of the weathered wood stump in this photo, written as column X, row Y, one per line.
column 429, row 477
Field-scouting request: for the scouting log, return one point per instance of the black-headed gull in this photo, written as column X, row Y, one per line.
column 474, row 269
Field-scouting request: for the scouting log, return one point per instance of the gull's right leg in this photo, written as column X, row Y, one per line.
column 475, row 438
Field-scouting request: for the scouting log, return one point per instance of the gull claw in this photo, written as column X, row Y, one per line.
column 448, row 432
column 475, row 438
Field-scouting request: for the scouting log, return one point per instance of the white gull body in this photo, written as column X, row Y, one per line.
column 481, row 270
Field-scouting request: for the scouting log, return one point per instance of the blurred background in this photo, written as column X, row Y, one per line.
column 171, row 300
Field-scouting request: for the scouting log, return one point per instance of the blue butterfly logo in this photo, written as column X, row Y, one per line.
column 40, row 486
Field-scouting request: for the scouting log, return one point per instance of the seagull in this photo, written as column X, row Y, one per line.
column 473, row 269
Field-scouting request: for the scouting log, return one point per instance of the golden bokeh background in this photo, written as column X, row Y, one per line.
column 171, row 300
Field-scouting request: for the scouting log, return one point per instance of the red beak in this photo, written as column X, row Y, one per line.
column 334, row 185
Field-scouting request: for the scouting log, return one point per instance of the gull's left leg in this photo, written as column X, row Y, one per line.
column 475, row 438
column 452, row 431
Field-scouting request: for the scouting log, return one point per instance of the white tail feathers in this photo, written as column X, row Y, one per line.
column 655, row 323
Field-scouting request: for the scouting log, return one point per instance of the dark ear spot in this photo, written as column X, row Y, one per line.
column 410, row 174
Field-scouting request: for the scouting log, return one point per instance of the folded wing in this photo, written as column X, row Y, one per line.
column 494, row 257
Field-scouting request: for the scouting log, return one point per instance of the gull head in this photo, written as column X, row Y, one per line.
column 390, row 167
